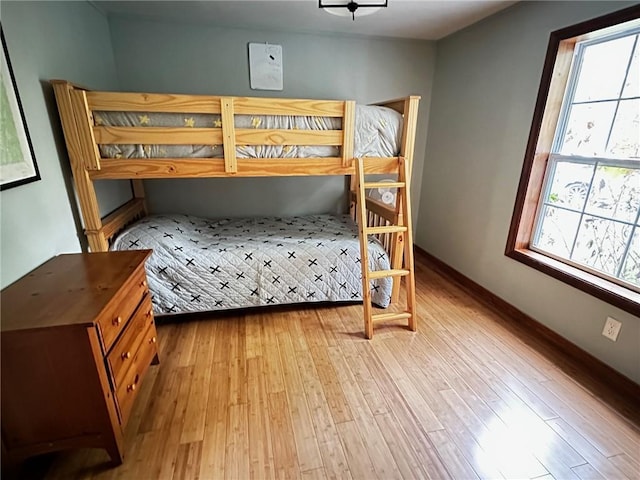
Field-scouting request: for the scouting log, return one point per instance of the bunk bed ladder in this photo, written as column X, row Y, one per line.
column 405, row 238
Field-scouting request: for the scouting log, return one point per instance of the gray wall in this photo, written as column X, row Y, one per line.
column 46, row 40
column 159, row 57
column 485, row 87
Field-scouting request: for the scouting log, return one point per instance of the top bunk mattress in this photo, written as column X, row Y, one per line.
column 378, row 133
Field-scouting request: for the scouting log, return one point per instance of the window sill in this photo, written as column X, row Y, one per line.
column 605, row 290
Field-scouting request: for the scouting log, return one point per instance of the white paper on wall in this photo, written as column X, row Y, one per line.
column 265, row 66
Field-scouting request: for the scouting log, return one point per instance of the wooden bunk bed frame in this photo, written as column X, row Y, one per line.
column 83, row 136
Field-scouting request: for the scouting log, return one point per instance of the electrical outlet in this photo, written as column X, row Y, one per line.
column 612, row 328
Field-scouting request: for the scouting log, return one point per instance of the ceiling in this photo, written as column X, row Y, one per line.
column 419, row 19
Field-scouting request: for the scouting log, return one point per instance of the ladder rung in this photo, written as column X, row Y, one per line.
column 384, row 185
column 385, row 229
column 387, row 273
column 390, row 316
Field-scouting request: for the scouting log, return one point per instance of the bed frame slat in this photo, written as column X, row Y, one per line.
column 147, row 168
column 229, row 135
column 127, row 168
column 213, row 136
column 121, row 217
column 157, row 136
column 285, row 106
column 250, row 136
column 152, row 102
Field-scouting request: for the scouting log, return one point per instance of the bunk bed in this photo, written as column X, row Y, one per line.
column 138, row 136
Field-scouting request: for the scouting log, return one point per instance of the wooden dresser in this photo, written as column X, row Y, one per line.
column 77, row 338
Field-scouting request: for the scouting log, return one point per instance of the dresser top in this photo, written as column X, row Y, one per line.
column 70, row 289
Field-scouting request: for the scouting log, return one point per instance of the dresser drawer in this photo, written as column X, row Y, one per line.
column 116, row 315
column 121, row 355
column 130, row 385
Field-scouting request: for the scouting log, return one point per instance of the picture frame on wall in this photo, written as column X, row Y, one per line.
column 17, row 160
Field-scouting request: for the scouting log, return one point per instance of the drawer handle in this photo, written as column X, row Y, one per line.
column 132, row 387
column 126, row 355
column 143, row 283
column 149, row 313
column 153, row 340
column 117, row 321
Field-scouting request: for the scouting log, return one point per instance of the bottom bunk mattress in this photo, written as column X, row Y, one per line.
column 200, row 264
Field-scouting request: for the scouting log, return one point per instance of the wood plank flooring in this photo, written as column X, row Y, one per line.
column 299, row 393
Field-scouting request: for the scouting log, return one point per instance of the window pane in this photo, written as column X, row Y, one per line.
column 557, row 231
column 588, row 129
column 601, row 244
column 570, row 184
column 615, row 193
column 625, row 136
column 632, row 85
column 611, row 58
column 631, row 269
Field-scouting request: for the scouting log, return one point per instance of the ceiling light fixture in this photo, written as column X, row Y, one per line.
column 346, row 8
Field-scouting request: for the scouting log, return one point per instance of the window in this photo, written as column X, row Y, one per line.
column 577, row 214
column 589, row 208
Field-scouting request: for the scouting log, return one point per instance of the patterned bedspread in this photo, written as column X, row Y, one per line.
column 200, row 264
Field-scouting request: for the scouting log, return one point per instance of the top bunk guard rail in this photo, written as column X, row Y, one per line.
column 79, row 110
column 170, row 103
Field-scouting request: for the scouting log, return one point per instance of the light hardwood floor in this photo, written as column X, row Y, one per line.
column 299, row 393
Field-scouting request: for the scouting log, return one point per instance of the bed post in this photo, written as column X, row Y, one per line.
column 348, row 138
column 407, row 145
column 137, row 187
column 82, row 159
